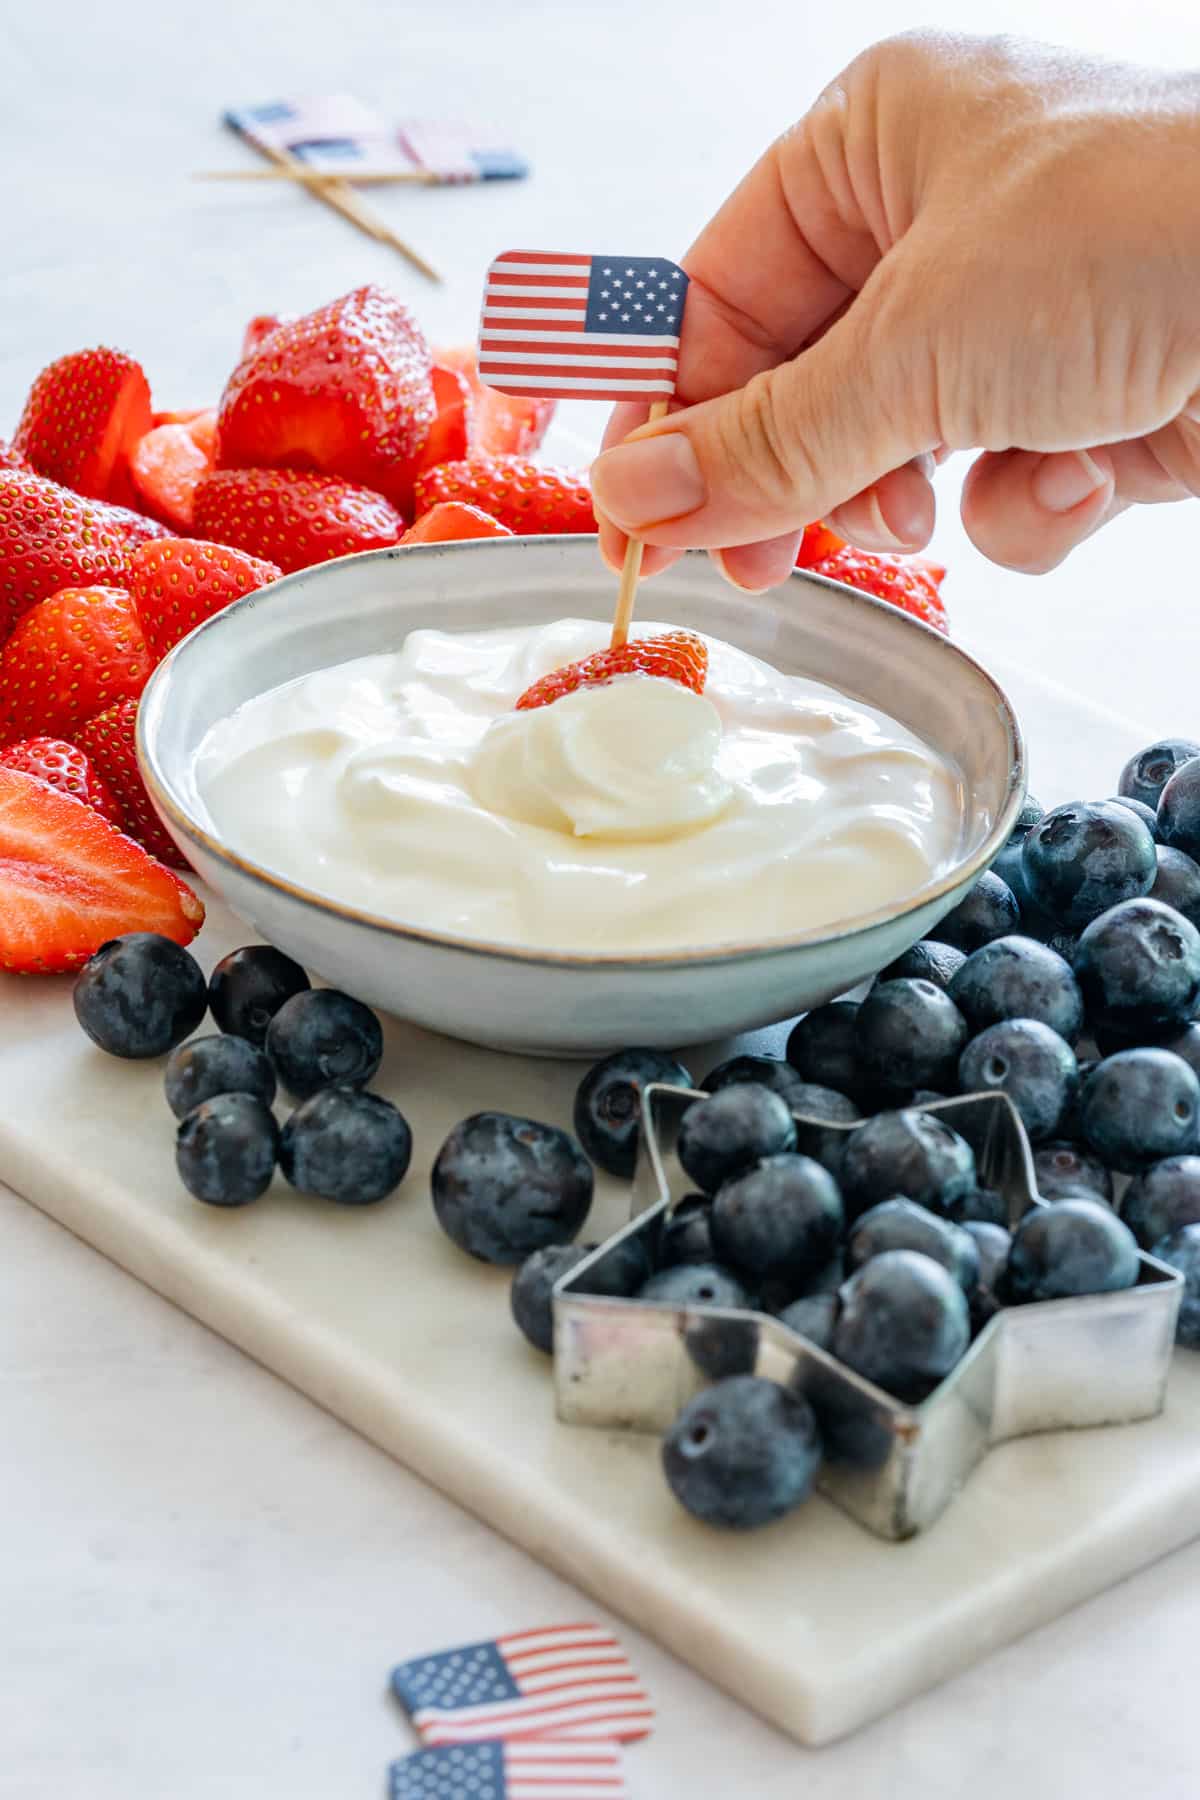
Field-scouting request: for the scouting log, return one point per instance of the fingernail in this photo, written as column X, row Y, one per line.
column 1065, row 481
column 756, row 567
column 658, row 478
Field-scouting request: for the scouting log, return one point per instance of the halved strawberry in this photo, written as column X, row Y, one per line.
column 448, row 435
column 66, row 768
column 501, row 424
column 818, row 542
column 673, row 656
column 449, row 520
column 83, row 416
column 110, row 740
column 51, row 538
column 292, row 519
column 167, row 464
column 910, row 582
column 525, row 496
column 176, row 583
column 70, row 657
column 261, row 326
column 69, row 881
column 345, row 389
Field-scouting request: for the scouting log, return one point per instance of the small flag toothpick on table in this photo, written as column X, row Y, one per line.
column 528, row 1769
column 575, row 327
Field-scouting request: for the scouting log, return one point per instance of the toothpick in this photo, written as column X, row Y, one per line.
column 309, row 177
column 631, row 570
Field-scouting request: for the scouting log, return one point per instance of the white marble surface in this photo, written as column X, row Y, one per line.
column 203, row 1578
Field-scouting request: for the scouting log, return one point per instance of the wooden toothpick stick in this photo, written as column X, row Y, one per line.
column 631, row 570
column 308, row 177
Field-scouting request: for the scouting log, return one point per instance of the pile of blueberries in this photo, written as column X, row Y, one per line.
column 141, row 996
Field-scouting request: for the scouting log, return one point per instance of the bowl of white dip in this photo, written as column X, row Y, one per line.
column 342, row 758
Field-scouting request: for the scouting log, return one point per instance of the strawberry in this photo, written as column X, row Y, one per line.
column 292, row 519
column 70, row 657
column 261, row 326
column 448, row 435
column 12, row 459
column 501, row 424
column 449, row 520
column 83, row 416
column 69, row 881
column 674, row 656
column 909, row 582
column 110, row 740
column 178, row 582
column 345, row 389
column 51, row 538
column 522, row 495
column 818, row 542
column 167, row 464
column 67, row 769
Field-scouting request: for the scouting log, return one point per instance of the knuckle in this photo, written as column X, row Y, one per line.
column 760, row 443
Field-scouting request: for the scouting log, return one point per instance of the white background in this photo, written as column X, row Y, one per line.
column 203, row 1579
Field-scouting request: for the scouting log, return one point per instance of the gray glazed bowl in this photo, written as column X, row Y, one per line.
column 550, row 1002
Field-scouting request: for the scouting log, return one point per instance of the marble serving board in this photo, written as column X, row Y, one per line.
column 814, row 1623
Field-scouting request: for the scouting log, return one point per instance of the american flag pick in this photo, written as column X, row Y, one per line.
column 529, row 1769
column 568, row 1681
column 582, row 327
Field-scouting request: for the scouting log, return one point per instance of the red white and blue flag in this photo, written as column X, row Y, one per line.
column 567, row 1681
column 529, row 1769
column 581, row 327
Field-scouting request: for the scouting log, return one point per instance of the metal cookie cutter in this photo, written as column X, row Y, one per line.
column 1101, row 1359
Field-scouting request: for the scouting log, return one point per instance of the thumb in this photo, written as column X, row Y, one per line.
column 791, row 446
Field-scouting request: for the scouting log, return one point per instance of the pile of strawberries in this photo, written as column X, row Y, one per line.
column 121, row 529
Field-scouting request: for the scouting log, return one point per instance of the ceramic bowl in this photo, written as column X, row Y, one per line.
column 551, row 1002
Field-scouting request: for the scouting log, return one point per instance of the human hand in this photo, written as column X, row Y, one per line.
column 966, row 244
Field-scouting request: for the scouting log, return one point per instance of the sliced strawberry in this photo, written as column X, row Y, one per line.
column 69, row 881
column 673, row 656
column 110, row 740
column 346, row 390
column 177, row 583
column 51, row 538
column 70, row 657
column 83, row 416
column 523, row 495
column 167, row 465
column 261, row 326
column 818, row 542
column 66, row 768
column 448, row 436
column 501, row 424
column 183, row 416
column 292, row 519
column 449, row 520
column 909, row 582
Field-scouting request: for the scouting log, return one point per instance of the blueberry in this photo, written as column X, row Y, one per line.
column 685, row 1236
column 1082, row 859
column 727, row 1132
column 1185, row 1043
column 346, row 1146
column 322, row 1038
column 764, row 1071
column 140, row 995
column 1146, row 775
column 903, row 1323
column 1016, row 978
column 1069, row 1169
column 1139, row 1106
column 1070, row 1247
column 608, row 1105
column 1140, row 810
column 1179, row 809
column 533, row 1285
column 248, row 987
column 981, row 1206
column 926, row 961
column 903, row 1225
column 695, row 1284
column 504, row 1186
column 1162, row 1199
column 225, row 1149
column 742, row 1453
column 782, row 1218
column 622, row 1271
column 909, row 1034
column 1139, row 967
column 1181, row 1250
column 829, row 1279
column 822, row 1048
column 1177, row 883
column 989, row 911
column 813, row 1317
column 924, row 1096
column 813, row 1102
column 1031, row 1064
column 216, row 1065
column 721, row 1347
column 912, row 1153
column 992, row 1246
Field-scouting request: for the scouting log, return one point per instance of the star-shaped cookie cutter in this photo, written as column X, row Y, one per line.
column 1101, row 1359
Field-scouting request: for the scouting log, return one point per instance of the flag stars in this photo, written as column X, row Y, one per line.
column 629, row 271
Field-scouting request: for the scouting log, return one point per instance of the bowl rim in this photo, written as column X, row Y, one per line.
column 712, row 955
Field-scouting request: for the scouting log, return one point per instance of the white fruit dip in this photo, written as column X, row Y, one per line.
column 628, row 817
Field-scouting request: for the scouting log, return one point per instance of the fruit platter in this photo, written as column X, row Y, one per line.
column 966, row 1192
